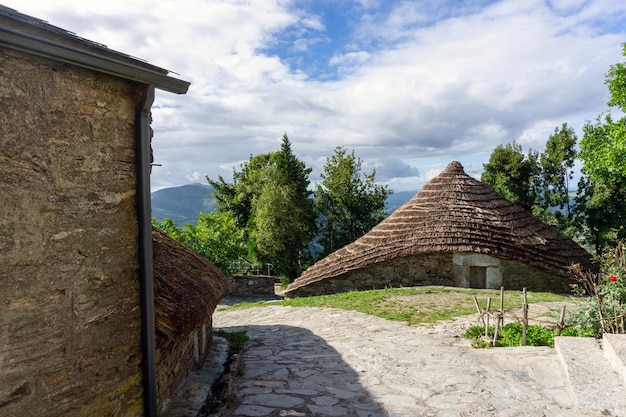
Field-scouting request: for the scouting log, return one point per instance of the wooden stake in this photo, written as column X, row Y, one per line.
column 496, row 330
column 487, row 315
column 476, row 304
column 524, row 317
column 561, row 323
column 499, row 317
column 480, row 313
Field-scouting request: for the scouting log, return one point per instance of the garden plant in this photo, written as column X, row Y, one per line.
column 605, row 309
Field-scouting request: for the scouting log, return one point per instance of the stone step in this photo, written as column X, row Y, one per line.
column 594, row 385
column 614, row 346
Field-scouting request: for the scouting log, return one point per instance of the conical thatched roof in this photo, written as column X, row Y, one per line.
column 187, row 287
column 454, row 213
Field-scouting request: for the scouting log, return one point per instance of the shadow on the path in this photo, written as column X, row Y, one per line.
column 289, row 371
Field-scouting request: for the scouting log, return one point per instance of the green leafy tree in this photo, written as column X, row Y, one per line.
column 170, row 228
column 616, row 82
column 348, row 203
column 556, row 164
column 602, row 190
column 216, row 237
column 513, row 175
column 236, row 197
column 271, row 201
column 281, row 233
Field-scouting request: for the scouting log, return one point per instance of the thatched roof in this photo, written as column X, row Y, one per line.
column 454, row 213
column 187, row 287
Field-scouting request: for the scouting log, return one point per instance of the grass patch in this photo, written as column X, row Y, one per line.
column 220, row 398
column 236, row 339
column 415, row 305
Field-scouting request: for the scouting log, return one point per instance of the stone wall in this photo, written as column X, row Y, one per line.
column 176, row 359
column 445, row 269
column 431, row 269
column 464, row 261
column 70, row 317
column 516, row 275
column 251, row 284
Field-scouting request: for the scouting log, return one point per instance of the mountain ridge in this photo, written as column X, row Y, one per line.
column 183, row 203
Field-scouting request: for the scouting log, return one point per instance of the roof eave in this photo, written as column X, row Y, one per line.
column 108, row 64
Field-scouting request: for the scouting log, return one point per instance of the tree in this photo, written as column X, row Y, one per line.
column 602, row 189
column 602, row 196
column 281, row 230
column 616, row 82
column 218, row 238
column 512, row 175
column 271, row 201
column 236, row 197
column 170, row 228
column 215, row 237
column 556, row 164
column 348, row 204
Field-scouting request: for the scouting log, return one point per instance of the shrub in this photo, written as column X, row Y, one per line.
column 535, row 335
column 476, row 332
column 577, row 331
column 605, row 310
column 511, row 335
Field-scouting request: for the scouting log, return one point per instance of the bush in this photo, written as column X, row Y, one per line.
column 605, row 310
column 476, row 332
column 576, row 331
column 511, row 335
column 535, row 335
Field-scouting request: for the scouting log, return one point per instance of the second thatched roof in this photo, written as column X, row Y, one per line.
column 187, row 287
column 454, row 213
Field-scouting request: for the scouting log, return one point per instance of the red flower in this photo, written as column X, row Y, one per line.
column 613, row 278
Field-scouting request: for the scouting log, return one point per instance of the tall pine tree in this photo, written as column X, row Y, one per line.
column 271, row 201
column 348, row 203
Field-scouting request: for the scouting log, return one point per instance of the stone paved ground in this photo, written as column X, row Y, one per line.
column 327, row 362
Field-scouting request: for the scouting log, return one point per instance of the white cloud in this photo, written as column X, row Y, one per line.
column 418, row 84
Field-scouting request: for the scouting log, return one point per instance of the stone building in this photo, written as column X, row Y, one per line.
column 456, row 231
column 77, row 316
column 187, row 291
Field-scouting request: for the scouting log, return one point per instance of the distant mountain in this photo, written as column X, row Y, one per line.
column 183, row 204
column 398, row 198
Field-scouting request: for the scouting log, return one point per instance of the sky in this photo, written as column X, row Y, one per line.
column 409, row 86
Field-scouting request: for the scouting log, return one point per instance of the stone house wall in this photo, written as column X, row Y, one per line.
column 446, row 269
column 70, row 316
column 431, row 269
column 177, row 358
column 517, row 275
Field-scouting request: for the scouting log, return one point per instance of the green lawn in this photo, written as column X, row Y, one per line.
column 416, row 305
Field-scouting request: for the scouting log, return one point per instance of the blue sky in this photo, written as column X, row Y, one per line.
column 408, row 85
column 308, row 47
